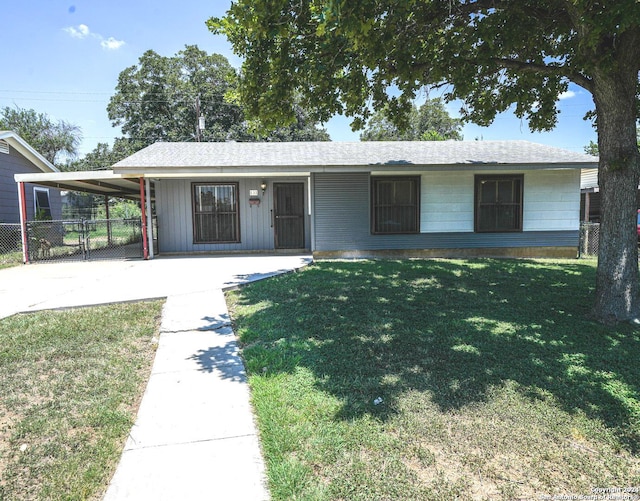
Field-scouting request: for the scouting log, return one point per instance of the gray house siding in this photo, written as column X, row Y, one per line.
column 175, row 216
column 14, row 163
column 342, row 223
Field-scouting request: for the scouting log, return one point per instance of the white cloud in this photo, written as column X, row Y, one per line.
column 82, row 31
column 566, row 95
column 111, row 43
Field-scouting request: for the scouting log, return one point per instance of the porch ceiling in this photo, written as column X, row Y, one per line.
column 96, row 182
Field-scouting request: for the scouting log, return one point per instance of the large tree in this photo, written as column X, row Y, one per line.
column 429, row 122
column 52, row 139
column 159, row 99
column 104, row 155
column 343, row 56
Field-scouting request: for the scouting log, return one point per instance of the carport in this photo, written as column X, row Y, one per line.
column 105, row 183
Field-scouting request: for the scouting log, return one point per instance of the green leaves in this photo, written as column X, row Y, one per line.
column 156, row 99
column 49, row 138
column 430, row 122
column 347, row 56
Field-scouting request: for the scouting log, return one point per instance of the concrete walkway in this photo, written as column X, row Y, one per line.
column 194, row 436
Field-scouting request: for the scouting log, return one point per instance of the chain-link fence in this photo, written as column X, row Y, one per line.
column 589, row 239
column 72, row 240
column 10, row 244
column 84, row 239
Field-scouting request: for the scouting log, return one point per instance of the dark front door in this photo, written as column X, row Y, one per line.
column 288, row 211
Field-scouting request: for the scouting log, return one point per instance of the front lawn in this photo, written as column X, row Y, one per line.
column 437, row 379
column 70, row 385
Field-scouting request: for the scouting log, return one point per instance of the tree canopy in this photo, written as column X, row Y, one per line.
column 344, row 57
column 51, row 139
column 429, row 122
column 161, row 98
column 104, row 156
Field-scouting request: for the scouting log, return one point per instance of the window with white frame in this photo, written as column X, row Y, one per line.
column 42, row 205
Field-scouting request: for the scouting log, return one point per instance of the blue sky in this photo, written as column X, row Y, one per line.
column 63, row 58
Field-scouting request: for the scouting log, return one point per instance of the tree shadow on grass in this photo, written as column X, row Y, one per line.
column 455, row 329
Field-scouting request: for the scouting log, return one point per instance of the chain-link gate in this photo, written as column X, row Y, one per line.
column 589, row 239
column 84, row 239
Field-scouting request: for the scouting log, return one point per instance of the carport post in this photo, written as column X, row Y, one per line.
column 22, row 199
column 149, row 219
column 145, row 241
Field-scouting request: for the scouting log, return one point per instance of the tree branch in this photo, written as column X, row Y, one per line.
column 526, row 66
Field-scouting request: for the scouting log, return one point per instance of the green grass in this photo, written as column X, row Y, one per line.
column 70, row 382
column 10, row 259
column 494, row 382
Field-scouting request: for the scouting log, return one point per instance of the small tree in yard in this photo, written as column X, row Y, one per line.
column 343, row 56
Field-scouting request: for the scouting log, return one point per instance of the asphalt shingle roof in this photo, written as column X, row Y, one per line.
column 318, row 154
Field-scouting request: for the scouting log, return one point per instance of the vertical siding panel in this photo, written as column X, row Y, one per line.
column 175, row 217
column 341, row 204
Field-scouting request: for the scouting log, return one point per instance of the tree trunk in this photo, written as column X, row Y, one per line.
column 617, row 295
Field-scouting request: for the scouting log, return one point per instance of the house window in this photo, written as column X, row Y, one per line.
column 215, row 213
column 42, row 204
column 498, row 203
column 395, row 204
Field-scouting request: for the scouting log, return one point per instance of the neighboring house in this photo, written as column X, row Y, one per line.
column 590, row 196
column 502, row 198
column 18, row 157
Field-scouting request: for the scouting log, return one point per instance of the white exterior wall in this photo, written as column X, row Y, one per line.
column 446, row 202
column 551, row 200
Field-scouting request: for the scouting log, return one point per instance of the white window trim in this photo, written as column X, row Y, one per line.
column 35, row 199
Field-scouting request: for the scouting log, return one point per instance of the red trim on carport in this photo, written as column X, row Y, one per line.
column 23, row 222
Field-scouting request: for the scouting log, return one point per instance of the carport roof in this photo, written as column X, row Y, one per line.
column 98, row 182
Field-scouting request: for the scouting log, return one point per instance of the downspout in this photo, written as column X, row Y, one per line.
column 143, row 208
column 23, row 222
column 149, row 218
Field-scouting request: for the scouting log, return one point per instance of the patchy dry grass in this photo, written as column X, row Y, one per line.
column 70, row 382
column 494, row 382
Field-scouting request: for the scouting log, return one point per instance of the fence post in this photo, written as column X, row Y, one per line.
column 106, row 212
column 586, row 239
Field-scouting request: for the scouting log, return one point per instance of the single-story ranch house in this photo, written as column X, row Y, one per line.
column 339, row 199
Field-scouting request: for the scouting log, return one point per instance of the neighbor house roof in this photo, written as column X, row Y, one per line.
column 21, row 146
column 234, row 157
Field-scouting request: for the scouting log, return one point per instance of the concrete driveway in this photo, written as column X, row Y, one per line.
column 61, row 285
